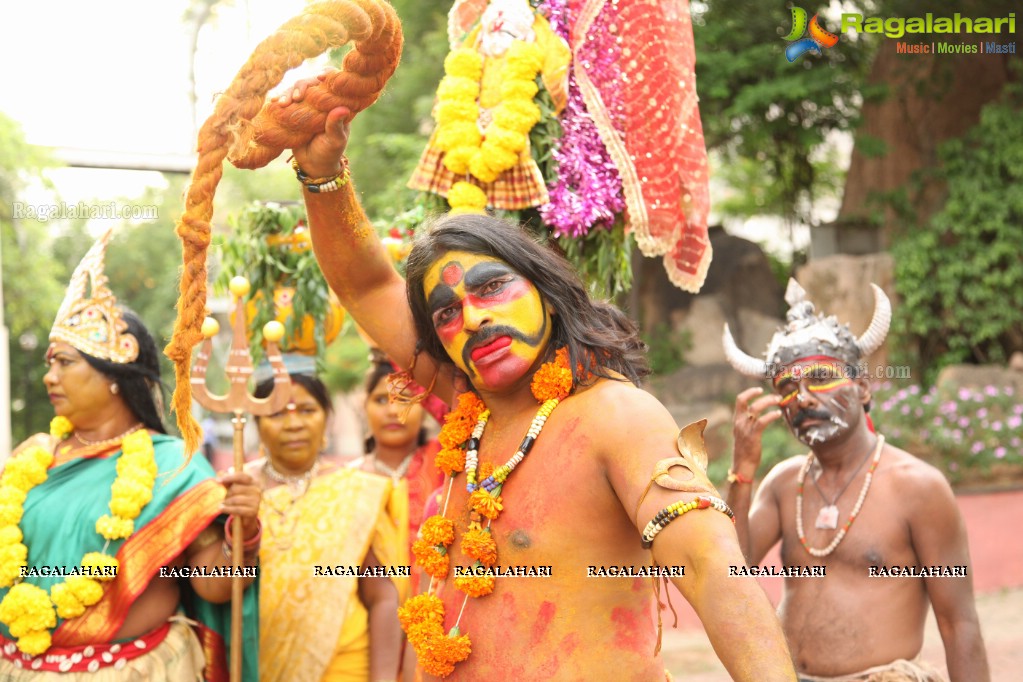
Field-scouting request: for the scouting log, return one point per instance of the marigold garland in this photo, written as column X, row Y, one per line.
column 28, row 611
column 488, row 154
column 422, row 617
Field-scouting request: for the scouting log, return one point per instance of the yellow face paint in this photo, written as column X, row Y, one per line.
column 491, row 320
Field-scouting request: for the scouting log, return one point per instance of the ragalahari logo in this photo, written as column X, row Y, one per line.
column 818, row 37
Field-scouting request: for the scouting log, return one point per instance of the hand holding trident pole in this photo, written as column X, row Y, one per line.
column 238, row 402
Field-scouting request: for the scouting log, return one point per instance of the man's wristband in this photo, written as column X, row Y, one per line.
column 328, row 183
column 738, row 478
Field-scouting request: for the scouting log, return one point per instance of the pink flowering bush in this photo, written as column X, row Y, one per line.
column 971, row 434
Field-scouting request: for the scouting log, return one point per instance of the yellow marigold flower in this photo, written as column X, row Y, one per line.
column 61, row 427
column 68, row 605
column 11, row 495
column 35, row 643
column 100, row 561
column 524, row 60
column 464, row 63
column 422, row 608
column 130, row 493
column 9, row 572
column 27, row 607
column 519, row 89
column 16, row 553
column 438, row 530
column 466, row 195
column 87, row 590
column 476, row 585
column 10, row 514
column 454, row 87
column 457, row 159
column 485, row 505
column 506, row 139
column 113, row 527
column 41, row 457
column 10, row 535
column 458, row 134
column 479, row 544
column 456, row 110
column 517, row 115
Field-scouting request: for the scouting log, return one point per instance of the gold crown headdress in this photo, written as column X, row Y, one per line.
column 93, row 324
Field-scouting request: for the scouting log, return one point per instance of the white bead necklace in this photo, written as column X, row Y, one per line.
column 852, row 517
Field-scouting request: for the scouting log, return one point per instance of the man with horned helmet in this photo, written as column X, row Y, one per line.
column 883, row 524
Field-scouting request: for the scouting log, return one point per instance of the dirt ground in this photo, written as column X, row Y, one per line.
column 689, row 657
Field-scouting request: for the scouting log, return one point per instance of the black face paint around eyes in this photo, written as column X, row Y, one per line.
column 481, row 273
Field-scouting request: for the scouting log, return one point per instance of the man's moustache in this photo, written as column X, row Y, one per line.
column 803, row 415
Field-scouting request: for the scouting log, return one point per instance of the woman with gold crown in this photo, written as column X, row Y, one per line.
column 106, row 524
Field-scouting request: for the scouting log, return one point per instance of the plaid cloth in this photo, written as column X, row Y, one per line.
column 521, row 186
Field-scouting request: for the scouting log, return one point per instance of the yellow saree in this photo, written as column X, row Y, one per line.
column 314, row 626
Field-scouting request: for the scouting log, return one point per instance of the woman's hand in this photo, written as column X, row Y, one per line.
column 242, row 501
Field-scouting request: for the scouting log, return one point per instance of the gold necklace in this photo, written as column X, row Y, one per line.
column 106, row 441
column 281, row 530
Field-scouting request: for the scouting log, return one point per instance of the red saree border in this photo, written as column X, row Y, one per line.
column 139, row 559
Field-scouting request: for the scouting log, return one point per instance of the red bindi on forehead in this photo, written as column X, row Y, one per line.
column 452, row 274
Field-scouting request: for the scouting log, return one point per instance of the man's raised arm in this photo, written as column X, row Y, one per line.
column 354, row 261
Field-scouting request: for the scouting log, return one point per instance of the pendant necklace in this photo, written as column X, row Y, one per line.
column 827, row 517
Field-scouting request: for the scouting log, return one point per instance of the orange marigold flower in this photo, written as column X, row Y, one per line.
column 485, row 470
column 479, row 544
column 453, row 648
column 450, row 461
column 438, row 530
column 553, row 379
column 476, row 585
column 430, row 559
column 422, row 608
column 454, row 433
column 423, row 635
column 432, row 666
column 485, row 505
column 470, row 404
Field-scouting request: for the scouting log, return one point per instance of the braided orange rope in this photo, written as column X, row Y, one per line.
column 251, row 135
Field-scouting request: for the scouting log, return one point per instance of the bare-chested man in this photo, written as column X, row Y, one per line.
column 485, row 308
column 856, row 505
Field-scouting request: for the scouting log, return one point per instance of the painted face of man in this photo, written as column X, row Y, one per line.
column 819, row 399
column 491, row 320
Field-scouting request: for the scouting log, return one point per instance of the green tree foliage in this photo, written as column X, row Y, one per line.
column 960, row 274
column 388, row 138
column 767, row 119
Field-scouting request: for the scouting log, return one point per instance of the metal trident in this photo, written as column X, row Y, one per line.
column 238, row 402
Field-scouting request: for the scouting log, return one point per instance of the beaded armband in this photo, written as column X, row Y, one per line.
column 325, row 184
column 677, row 509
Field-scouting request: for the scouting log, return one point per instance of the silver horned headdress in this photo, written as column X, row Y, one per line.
column 807, row 334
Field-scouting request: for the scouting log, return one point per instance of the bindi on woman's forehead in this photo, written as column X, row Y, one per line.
column 451, row 274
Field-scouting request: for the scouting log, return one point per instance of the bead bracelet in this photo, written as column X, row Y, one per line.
column 677, row 509
column 328, row 183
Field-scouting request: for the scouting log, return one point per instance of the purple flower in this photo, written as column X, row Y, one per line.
column 1018, row 408
column 964, row 394
column 1015, row 442
column 1014, row 422
column 963, row 422
column 957, row 436
column 991, row 391
column 919, row 412
column 927, row 399
column 901, row 395
column 914, row 389
column 1008, row 390
column 976, row 447
column 1000, row 452
column 938, row 421
column 981, row 413
column 996, row 426
column 905, row 409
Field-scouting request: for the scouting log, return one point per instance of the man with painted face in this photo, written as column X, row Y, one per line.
column 866, row 511
column 573, row 492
